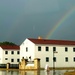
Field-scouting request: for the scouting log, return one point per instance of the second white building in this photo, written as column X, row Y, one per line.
column 9, row 54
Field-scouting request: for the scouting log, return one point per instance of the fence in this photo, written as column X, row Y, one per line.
column 3, row 65
column 14, row 66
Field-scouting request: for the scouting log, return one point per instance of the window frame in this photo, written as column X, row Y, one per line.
column 6, row 52
column 18, row 60
column 18, row 52
column 12, row 52
column 6, row 58
column 26, row 49
column 39, row 48
column 73, row 59
column 54, row 49
column 47, row 48
column 54, row 59
column 73, row 49
column 66, row 49
column 47, row 59
column 12, row 60
column 66, row 59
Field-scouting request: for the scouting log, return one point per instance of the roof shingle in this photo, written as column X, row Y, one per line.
column 10, row 47
column 55, row 42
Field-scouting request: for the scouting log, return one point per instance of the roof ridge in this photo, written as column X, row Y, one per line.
column 47, row 41
column 9, row 47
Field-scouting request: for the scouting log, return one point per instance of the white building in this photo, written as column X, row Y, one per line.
column 55, row 53
column 9, row 54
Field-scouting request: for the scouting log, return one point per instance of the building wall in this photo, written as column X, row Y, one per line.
column 60, row 55
column 8, row 57
column 30, row 50
column 43, row 54
column 1, row 55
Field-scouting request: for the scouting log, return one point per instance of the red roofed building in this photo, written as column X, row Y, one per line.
column 9, row 54
column 53, row 42
column 10, row 47
column 55, row 53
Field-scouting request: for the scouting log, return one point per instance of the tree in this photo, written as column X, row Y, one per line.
column 7, row 43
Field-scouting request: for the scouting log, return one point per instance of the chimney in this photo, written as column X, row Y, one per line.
column 39, row 37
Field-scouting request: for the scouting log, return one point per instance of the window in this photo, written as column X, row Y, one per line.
column 18, row 60
column 66, row 49
column 18, row 52
column 73, row 49
column 26, row 49
column 12, row 60
column 6, row 52
column 47, row 59
column 54, row 48
column 39, row 48
column 54, row 59
column 6, row 58
column 47, row 48
column 66, row 59
column 12, row 52
column 74, row 59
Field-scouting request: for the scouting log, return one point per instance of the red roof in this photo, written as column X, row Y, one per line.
column 10, row 47
column 55, row 42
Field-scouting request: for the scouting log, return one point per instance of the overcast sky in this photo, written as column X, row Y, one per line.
column 21, row 19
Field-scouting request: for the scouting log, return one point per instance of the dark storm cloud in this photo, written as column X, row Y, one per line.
column 20, row 19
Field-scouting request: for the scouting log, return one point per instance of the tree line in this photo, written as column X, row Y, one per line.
column 7, row 43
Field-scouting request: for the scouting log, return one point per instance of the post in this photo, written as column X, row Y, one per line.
column 8, row 65
column 37, row 63
column 53, row 64
column 23, row 63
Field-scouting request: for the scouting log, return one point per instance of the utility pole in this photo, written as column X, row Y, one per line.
column 54, row 59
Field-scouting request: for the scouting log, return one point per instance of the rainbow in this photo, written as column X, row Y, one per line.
column 59, row 23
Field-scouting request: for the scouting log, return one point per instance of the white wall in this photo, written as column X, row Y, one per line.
column 31, row 47
column 1, row 55
column 60, row 55
column 10, row 56
column 43, row 54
